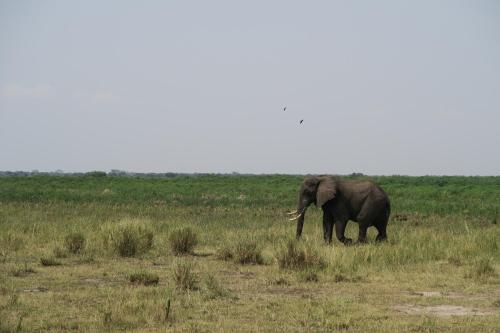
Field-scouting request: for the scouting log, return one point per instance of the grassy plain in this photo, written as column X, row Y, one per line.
column 61, row 270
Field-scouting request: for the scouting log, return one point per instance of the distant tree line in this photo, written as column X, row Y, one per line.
column 112, row 173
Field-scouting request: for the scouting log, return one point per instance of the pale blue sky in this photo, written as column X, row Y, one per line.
column 384, row 87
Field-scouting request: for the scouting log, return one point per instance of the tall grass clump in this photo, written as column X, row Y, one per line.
column 214, row 289
column 182, row 241
column 129, row 237
column 297, row 256
column 248, row 252
column 49, row 261
column 184, row 277
column 23, row 271
column 74, row 242
column 482, row 268
column 144, row 278
column 224, row 253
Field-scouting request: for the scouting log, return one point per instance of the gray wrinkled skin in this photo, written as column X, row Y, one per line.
column 361, row 201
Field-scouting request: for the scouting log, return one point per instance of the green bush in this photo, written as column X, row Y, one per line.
column 74, row 242
column 129, row 237
column 182, row 241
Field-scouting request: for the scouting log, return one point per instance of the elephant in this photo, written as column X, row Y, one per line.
column 360, row 201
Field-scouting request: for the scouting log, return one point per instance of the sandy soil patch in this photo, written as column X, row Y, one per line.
column 440, row 310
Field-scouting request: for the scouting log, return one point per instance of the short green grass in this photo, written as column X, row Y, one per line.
column 95, row 253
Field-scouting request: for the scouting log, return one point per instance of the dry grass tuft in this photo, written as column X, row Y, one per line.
column 309, row 275
column 74, row 242
column 144, row 278
column 49, row 261
column 248, row 252
column 129, row 237
column 295, row 256
column 184, row 277
column 214, row 289
column 182, row 241
column 23, row 271
column 482, row 268
column 224, row 253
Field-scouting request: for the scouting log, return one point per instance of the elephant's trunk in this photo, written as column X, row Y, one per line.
column 300, row 224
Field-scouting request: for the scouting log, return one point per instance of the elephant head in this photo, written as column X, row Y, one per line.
column 317, row 190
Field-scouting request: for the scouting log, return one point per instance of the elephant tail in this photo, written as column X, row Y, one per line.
column 388, row 209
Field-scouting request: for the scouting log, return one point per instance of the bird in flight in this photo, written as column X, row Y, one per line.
column 284, row 109
column 301, row 121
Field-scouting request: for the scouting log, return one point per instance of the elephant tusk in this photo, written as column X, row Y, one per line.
column 295, row 218
column 291, row 213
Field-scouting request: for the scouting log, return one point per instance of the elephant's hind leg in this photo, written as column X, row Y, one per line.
column 365, row 219
column 381, row 225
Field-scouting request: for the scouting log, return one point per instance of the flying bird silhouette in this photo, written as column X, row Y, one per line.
column 301, row 121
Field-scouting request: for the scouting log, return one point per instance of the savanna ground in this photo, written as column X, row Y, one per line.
column 101, row 253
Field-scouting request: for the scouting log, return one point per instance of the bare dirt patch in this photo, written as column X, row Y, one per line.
column 94, row 281
column 440, row 310
column 454, row 295
column 427, row 293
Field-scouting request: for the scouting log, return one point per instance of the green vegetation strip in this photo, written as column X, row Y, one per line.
column 216, row 253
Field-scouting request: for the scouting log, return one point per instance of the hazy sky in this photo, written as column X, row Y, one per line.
column 384, row 87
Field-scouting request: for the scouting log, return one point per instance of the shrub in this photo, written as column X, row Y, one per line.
column 182, row 241
column 128, row 237
column 294, row 257
column 248, row 252
column 144, row 278
column 183, row 276
column 74, row 242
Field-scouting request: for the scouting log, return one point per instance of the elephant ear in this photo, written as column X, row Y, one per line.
column 327, row 189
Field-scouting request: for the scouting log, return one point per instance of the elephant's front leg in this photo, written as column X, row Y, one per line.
column 340, row 230
column 327, row 226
